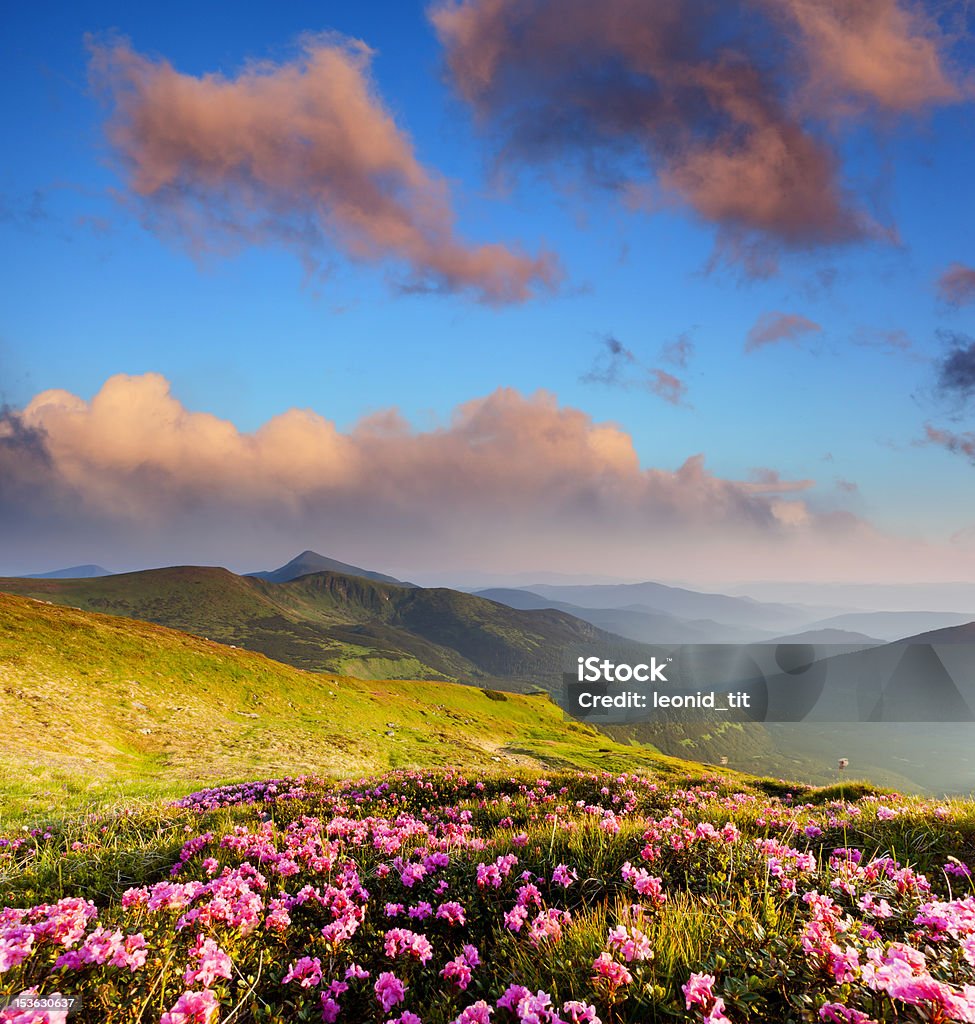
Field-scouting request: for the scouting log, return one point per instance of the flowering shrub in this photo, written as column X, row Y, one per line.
column 423, row 898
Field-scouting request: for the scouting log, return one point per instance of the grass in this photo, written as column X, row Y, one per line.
column 99, row 708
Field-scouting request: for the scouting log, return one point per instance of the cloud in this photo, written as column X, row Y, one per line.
column 610, row 364
column 723, row 107
column 957, row 444
column 885, row 53
column 774, row 327
column 895, row 340
column 769, row 481
column 300, row 154
column 956, row 371
column 616, row 366
column 666, row 386
column 23, row 451
column 956, row 285
column 678, row 352
column 137, row 476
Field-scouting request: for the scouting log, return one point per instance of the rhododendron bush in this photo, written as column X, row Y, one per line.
column 424, row 898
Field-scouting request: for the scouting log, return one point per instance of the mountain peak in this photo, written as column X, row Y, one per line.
column 311, row 561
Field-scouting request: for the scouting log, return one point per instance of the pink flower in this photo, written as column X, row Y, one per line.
column 452, row 913
column 192, row 1008
column 547, row 926
column 389, row 990
column 716, row 1014
column 837, row 1013
column 458, row 971
column 630, row 942
column 306, row 971
column 607, row 969
column 330, row 1008
column 698, row 990
column 844, row 963
column 512, row 997
column 564, row 876
column 15, row 946
column 515, row 918
column 277, row 919
column 580, row 1013
column 401, row 941
column 211, row 963
column 477, row 1013
column 645, row 884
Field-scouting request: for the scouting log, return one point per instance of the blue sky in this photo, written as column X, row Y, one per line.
column 92, row 292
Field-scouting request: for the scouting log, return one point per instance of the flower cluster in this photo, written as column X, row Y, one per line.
column 423, row 898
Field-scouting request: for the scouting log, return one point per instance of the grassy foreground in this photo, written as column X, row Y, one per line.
column 442, row 897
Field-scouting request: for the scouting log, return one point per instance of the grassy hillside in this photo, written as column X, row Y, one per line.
column 343, row 624
column 354, row 627
column 98, row 706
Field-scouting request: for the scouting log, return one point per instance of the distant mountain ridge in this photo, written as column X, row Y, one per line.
column 685, row 604
column 311, row 561
column 635, row 623
column 74, row 572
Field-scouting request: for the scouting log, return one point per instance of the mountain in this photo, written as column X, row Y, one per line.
column 889, row 597
column 116, row 707
column 357, row 627
column 741, row 612
column 310, row 561
column 348, row 624
column 828, row 637
column 960, row 634
column 891, row 626
column 74, row 572
column 646, row 627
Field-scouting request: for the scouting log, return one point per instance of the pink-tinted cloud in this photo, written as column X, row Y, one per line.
column 956, row 285
column 888, row 340
column 957, row 444
column 883, row 52
column 666, row 386
column 769, row 481
column 771, row 328
column 300, row 154
column 721, row 106
column 678, row 352
column 616, row 366
column 509, row 478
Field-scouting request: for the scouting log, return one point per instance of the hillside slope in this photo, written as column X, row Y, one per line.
column 345, row 624
column 98, row 705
